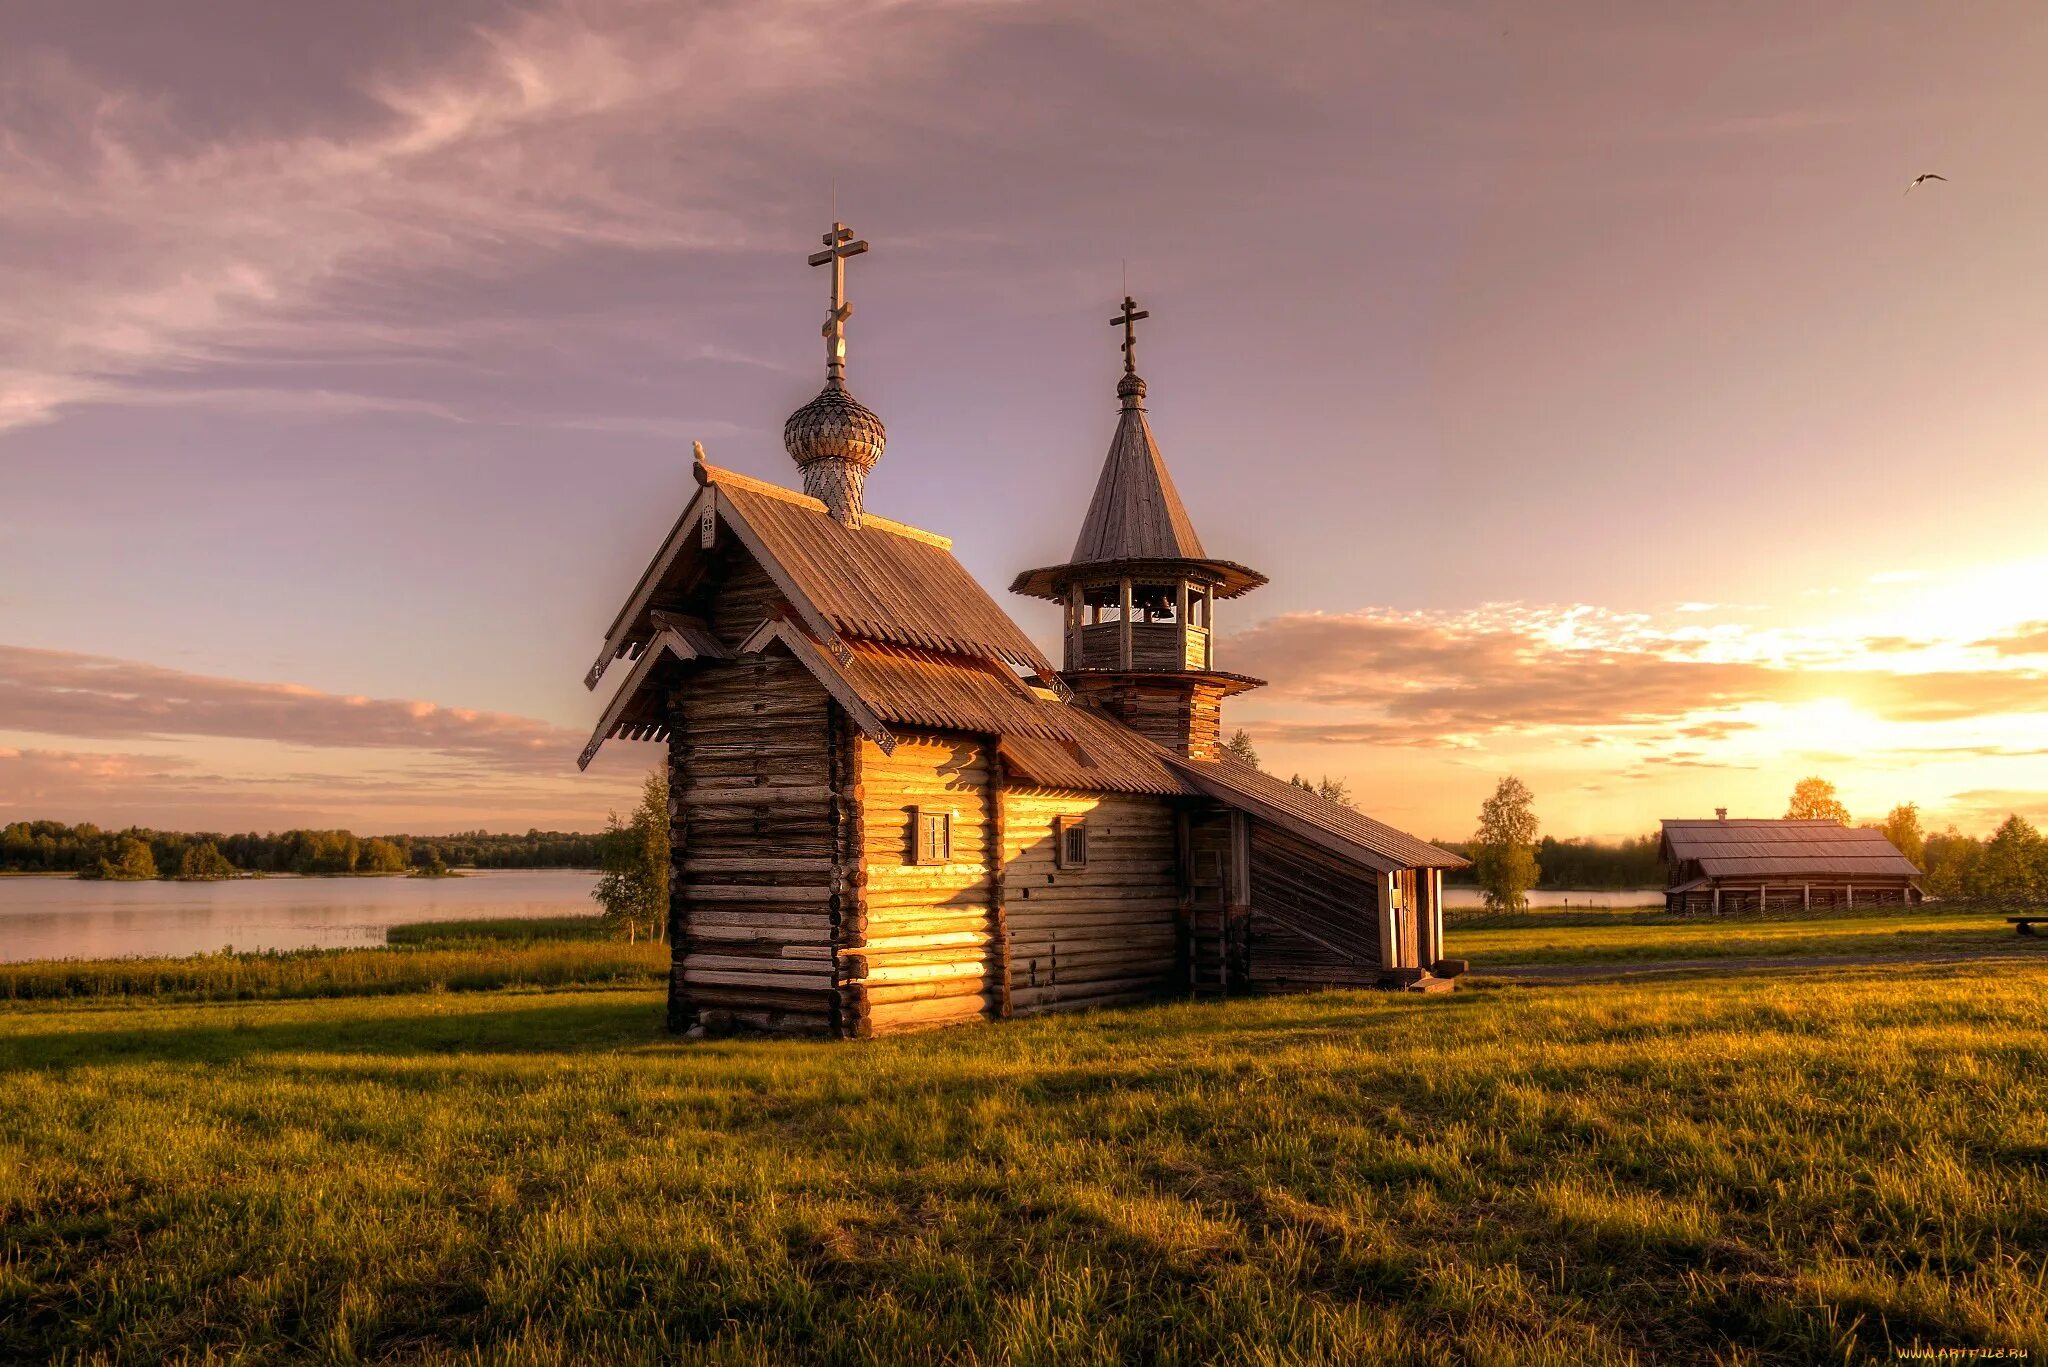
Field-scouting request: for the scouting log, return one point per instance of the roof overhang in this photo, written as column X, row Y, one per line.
column 1051, row 582
column 675, row 638
column 1226, row 685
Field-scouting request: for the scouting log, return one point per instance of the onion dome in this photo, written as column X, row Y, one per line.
column 834, row 426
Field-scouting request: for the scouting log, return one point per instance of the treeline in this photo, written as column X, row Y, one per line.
column 2008, row 869
column 1576, row 865
column 139, row 852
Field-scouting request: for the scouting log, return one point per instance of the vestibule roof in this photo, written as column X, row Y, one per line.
column 1330, row 825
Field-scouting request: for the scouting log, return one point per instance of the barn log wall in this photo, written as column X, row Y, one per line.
column 1315, row 921
column 1097, row 935
column 759, row 811
column 1793, row 895
column 931, row 952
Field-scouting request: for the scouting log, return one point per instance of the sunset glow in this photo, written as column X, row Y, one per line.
column 1598, row 405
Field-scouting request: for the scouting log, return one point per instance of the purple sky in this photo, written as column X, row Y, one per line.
column 1599, row 405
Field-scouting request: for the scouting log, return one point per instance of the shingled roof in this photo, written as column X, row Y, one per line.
column 1136, row 513
column 1751, row 848
column 882, row 581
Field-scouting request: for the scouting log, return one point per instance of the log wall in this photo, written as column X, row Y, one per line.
column 930, row 952
column 1753, row 899
column 1097, row 935
column 760, row 810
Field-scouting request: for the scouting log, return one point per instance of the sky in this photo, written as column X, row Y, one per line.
column 1600, row 404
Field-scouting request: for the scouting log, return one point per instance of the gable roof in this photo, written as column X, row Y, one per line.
column 633, row 712
column 1047, row 743
column 882, row 581
column 1329, row 825
column 1775, row 849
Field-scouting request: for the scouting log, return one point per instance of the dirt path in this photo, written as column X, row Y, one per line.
column 1639, row 967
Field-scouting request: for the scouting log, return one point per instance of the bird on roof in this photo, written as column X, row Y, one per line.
column 1923, row 178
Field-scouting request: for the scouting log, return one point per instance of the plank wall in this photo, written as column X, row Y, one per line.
column 1314, row 920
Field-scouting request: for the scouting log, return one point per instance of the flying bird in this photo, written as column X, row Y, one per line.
column 1922, row 179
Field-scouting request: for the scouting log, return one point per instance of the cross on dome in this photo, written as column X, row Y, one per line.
column 839, row 245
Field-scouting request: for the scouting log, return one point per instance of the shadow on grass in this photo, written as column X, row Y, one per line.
column 545, row 1023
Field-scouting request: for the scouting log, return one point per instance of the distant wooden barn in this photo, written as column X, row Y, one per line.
column 891, row 810
column 1748, row 865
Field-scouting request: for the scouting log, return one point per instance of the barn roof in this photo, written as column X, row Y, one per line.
column 882, row 581
column 1330, row 825
column 1749, row 848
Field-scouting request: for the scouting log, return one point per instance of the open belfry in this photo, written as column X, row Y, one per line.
column 891, row 810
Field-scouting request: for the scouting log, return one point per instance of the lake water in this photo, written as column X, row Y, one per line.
column 66, row 918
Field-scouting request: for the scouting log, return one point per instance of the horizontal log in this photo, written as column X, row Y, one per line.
column 966, row 1006
column 814, row 1004
column 737, row 892
column 880, row 994
column 723, row 938
column 749, row 864
column 765, row 981
column 696, row 960
column 764, row 796
column 760, row 920
column 884, row 943
column 913, row 973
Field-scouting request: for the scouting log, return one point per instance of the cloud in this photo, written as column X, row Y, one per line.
column 59, row 693
column 1418, row 679
column 116, row 788
column 158, row 231
column 2030, row 638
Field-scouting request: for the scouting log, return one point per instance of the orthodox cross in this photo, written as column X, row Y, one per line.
column 839, row 245
column 1128, row 321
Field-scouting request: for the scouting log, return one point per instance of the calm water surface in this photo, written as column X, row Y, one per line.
column 65, row 918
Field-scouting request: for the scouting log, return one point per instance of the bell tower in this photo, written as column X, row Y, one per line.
column 1140, row 592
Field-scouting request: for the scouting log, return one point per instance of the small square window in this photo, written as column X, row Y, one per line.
column 931, row 836
column 1070, row 842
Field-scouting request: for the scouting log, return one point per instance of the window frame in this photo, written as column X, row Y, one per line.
column 926, row 852
column 1063, row 830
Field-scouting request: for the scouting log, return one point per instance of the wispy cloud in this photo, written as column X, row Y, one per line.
column 58, row 693
column 137, row 249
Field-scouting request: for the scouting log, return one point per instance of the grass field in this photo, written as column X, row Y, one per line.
column 1731, row 1170
column 1575, row 938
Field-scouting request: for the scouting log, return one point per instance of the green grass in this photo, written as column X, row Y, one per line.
column 1726, row 1170
column 337, row 972
column 497, row 929
column 1541, row 939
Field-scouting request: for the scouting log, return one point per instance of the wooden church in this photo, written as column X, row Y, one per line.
column 891, row 810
